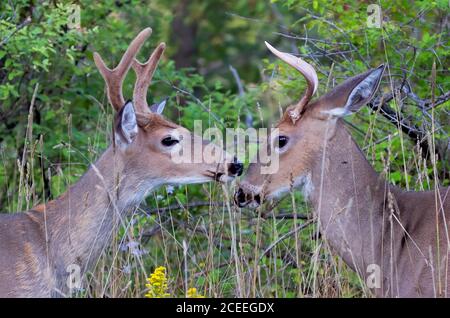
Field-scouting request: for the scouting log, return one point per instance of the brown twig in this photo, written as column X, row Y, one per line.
column 197, row 204
column 285, row 236
column 17, row 29
column 194, row 204
column 286, row 216
column 381, row 105
column 437, row 102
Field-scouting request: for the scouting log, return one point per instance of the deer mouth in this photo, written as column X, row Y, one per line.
column 228, row 171
column 243, row 199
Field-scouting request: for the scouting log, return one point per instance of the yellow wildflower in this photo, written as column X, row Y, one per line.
column 157, row 284
column 192, row 293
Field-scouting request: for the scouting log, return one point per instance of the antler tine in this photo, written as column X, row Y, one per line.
column 307, row 71
column 114, row 77
column 144, row 75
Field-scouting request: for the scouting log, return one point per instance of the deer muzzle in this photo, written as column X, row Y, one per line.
column 243, row 198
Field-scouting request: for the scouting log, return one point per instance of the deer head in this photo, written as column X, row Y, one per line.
column 144, row 140
column 302, row 130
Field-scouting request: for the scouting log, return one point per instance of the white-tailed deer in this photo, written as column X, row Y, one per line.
column 369, row 223
column 38, row 247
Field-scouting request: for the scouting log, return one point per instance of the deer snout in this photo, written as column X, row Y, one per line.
column 235, row 168
column 243, row 198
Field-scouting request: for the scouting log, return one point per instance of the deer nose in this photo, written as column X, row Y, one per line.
column 236, row 167
column 240, row 198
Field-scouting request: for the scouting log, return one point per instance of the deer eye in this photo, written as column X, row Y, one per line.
column 169, row 141
column 282, row 141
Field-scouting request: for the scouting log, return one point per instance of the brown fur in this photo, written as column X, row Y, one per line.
column 39, row 248
column 364, row 219
column 36, row 247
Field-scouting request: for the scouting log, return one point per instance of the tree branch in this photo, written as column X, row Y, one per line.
column 17, row 29
column 195, row 204
column 381, row 105
column 438, row 101
column 285, row 236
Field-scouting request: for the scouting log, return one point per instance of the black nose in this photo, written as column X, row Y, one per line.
column 235, row 168
column 257, row 198
column 239, row 198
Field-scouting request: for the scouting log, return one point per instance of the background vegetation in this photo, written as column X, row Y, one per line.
column 55, row 120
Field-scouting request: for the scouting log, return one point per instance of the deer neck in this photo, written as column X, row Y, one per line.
column 347, row 197
column 80, row 222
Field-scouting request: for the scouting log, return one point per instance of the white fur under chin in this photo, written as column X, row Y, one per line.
column 138, row 195
column 303, row 183
column 189, row 180
column 224, row 178
column 200, row 179
column 253, row 205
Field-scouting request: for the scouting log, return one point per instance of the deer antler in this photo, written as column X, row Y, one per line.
column 144, row 75
column 114, row 77
column 307, row 71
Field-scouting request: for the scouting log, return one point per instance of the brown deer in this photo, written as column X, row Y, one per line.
column 375, row 227
column 38, row 246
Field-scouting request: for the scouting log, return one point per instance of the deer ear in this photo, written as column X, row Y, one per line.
column 126, row 124
column 159, row 107
column 361, row 94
